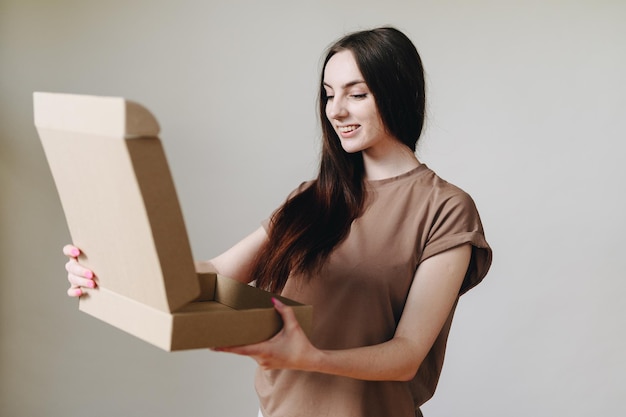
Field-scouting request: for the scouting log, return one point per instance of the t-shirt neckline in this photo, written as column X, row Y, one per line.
column 412, row 172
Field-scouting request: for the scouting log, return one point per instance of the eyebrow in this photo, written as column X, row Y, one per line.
column 346, row 85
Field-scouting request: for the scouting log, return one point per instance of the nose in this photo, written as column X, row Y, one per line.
column 335, row 108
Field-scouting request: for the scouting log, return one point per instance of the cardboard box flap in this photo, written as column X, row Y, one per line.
column 102, row 116
column 118, row 196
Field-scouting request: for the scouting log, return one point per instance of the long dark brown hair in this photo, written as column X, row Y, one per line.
column 305, row 230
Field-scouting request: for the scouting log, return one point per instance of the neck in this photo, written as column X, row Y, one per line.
column 395, row 160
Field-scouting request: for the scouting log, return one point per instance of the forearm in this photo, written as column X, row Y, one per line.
column 241, row 274
column 395, row 360
column 238, row 261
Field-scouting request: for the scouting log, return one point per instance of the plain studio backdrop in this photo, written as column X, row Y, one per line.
column 527, row 112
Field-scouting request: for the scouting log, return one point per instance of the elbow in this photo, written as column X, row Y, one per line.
column 407, row 374
column 406, row 369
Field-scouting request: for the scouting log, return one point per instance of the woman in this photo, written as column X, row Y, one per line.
column 377, row 243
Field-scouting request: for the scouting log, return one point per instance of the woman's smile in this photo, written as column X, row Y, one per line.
column 348, row 130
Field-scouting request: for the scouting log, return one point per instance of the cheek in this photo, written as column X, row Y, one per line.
column 377, row 120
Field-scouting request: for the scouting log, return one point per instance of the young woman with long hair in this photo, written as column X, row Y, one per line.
column 378, row 243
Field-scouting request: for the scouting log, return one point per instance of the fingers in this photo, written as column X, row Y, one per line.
column 71, row 251
column 78, row 276
column 75, row 269
column 74, row 292
column 289, row 318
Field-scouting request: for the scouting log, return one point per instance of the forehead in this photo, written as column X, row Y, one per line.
column 341, row 69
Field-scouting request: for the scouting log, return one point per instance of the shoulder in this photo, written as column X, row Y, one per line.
column 428, row 188
column 448, row 202
column 454, row 220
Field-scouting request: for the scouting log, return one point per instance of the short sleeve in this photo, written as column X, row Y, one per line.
column 457, row 222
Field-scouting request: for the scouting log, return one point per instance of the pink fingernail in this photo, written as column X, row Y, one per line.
column 75, row 252
column 78, row 292
column 276, row 302
column 88, row 274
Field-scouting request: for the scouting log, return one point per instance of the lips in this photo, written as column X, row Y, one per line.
column 348, row 128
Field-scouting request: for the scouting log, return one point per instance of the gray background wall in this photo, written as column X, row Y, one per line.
column 527, row 113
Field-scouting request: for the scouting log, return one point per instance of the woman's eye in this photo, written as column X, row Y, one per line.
column 359, row 96
column 329, row 97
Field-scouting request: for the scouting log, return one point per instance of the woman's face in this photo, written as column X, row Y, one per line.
column 351, row 107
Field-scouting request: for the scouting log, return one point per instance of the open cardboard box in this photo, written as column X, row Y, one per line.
column 121, row 207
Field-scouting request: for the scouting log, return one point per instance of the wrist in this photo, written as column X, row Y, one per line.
column 318, row 360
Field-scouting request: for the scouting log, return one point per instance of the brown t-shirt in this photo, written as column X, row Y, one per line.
column 359, row 296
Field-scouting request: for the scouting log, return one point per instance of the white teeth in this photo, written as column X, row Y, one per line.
column 346, row 129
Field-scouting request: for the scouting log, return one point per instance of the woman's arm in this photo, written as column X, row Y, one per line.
column 236, row 263
column 431, row 298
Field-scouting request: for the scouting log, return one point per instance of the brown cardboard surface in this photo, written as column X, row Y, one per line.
column 121, row 207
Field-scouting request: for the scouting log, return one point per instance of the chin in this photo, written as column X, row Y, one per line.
column 351, row 148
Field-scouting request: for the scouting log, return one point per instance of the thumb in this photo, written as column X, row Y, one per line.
column 286, row 312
